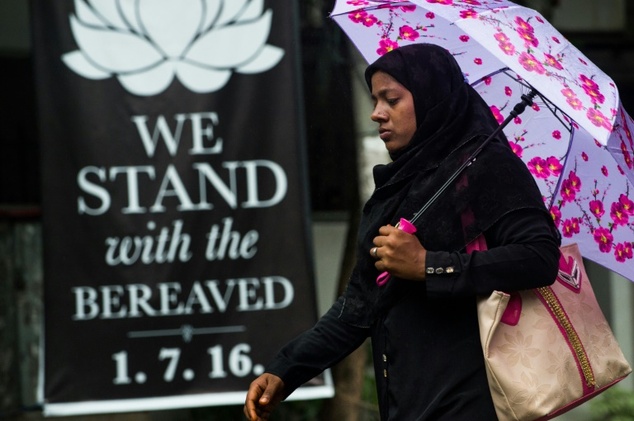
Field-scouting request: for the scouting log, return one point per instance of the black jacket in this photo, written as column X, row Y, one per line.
column 427, row 355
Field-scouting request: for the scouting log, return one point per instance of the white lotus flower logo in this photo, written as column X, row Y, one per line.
column 145, row 43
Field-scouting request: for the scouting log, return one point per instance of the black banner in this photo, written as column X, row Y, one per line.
column 176, row 239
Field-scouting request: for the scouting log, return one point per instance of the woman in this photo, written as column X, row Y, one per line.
column 423, row 322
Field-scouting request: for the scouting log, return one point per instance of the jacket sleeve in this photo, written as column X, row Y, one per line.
column 317, row 349
column 522, row 253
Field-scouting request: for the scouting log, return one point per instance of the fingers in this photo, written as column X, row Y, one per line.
column 387, row 235
column 387, row 229
column 264, row 394
column 254, row 396
column 399, row 253
column 250, row 410
column 381, row 240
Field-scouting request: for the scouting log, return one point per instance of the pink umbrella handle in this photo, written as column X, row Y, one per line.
column 403, row 225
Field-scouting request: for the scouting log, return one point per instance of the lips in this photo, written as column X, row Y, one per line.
column 384, row 134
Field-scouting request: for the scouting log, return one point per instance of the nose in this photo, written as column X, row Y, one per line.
column 377, row 114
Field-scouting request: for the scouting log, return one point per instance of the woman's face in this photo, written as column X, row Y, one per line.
column 393, row 110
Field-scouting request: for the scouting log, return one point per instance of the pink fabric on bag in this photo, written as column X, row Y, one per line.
column 569, row 274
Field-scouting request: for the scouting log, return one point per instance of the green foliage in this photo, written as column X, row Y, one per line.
column 286, row 411
column 218, row 413
column 615, row 404
column 369, row 388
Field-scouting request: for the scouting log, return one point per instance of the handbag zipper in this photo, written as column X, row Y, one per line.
column 562, row 318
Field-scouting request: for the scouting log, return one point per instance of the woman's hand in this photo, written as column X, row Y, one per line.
column 264, row 394
column 399, row 253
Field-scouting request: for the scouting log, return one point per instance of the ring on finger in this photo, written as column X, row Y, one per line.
column 374, row 252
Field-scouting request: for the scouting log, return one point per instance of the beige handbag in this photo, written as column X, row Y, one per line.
column 549, row 349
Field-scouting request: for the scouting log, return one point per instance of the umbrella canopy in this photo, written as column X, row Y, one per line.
column 576, row 139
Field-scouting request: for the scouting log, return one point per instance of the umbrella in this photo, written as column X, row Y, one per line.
column 575, row 137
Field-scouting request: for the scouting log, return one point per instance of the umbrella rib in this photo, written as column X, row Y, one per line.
column 552, row 107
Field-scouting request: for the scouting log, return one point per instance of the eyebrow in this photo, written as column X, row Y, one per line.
column 382, row 92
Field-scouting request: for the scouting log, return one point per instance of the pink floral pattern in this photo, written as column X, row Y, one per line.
column 591, row 134
column 596, row 210
column 488, row 33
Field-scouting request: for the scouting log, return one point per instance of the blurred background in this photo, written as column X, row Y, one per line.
column 341, row 146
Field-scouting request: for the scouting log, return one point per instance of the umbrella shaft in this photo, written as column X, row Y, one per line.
column 518, row 109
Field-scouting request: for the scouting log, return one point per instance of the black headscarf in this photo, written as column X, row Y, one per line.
column 441, row 96
column 452, row 121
